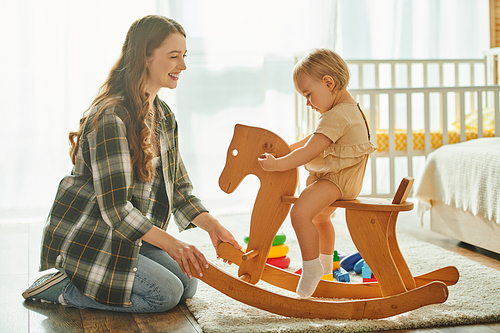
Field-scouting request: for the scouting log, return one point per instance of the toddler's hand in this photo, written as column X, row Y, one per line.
column 267, row 162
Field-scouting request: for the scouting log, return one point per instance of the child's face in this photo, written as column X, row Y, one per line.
column 319, row 93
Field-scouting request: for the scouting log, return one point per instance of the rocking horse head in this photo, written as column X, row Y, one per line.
column 247, row 145
column 269, row 211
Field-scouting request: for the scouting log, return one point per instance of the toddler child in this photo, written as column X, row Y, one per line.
column 335, row 156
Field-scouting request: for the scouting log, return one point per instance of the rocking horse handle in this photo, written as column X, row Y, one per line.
column 403, row 190
column 270, row 153
column 249, row 255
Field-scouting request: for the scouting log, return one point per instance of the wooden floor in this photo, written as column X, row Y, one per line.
column 19, row 257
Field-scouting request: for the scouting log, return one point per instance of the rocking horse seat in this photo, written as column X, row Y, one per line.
column 372, row 204
column 396, row 204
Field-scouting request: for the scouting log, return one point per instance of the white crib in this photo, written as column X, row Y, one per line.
column 415, row 106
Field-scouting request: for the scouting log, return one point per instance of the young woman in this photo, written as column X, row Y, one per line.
column 106, row 230
column 335, row 156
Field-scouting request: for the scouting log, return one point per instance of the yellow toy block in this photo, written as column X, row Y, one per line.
column 328, row 277
column 278, row 251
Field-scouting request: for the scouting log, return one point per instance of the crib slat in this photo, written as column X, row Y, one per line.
column 441, row 76
column 497, row 114
column 471, row 74
column 373, row 129
column 488, row 74
column 444, row 115
column 492, row 69
column 496, row 68
column 392, row 141
column 408, row 68
column 486, row 71
column 427, row 125
column 480, row 114
column 424, row 65
column 463, row 136
column 393, row 75
column 409, row 134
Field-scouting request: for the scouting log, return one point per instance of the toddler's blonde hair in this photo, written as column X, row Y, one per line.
column 321, row 62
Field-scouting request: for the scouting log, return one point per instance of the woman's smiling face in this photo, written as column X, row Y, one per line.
column 166, row 63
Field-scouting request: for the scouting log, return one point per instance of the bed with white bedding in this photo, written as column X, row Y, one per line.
column 460, row 185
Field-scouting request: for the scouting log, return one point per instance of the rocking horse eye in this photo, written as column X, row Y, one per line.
column 235, row 152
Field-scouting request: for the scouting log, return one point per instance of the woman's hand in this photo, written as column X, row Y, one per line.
column 181, row 252
column 268, row 162
column 218, row 234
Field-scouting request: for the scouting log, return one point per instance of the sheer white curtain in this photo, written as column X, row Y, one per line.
column 414, row 29
column 55, row 54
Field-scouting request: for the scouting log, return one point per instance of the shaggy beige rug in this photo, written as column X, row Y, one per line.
column 474, row 299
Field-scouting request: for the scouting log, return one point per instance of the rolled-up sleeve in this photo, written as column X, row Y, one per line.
column 113, row 178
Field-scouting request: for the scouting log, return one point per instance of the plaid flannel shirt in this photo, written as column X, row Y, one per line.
column 101, row 210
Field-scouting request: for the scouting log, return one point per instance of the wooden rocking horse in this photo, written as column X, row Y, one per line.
column 371, row 223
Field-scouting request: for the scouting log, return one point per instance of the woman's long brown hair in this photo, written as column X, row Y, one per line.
column 126, row 86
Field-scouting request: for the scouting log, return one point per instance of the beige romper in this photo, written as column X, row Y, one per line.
column 344, row 161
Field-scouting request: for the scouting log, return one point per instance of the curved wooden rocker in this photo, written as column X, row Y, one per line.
column 371, row 223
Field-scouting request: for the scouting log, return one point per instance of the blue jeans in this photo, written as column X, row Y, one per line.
column 159, row 285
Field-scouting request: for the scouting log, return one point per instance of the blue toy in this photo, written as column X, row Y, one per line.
column 366, row 272
column 358, row 266
column 348, row 262
column 341, row 275
column 342, row 255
